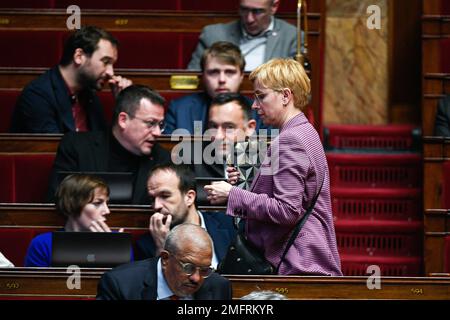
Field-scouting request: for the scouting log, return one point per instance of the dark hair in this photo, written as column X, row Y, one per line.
column 184, row 173
column 227, row 97
column 226, row 52
column 129, row 99
column 86, row 38
column 76, row 191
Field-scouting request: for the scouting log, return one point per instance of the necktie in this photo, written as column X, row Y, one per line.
column 174, row 297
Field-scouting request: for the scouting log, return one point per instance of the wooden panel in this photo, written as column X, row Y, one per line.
column 429, row 110
column 432, row 6
column 45, row 215
column 436, row 151
column 431, row 61
column 52, row 282
column 435, row 26
column 434, row 252
column 126, row 20
column 48, row 143
column 437, row 220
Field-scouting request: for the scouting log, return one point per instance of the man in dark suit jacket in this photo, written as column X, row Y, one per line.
column 63, row 99
column 129, row 147
column 182, row 272
column 259, row 34
column 442, row 124
column 223, row 71
column 173, row 191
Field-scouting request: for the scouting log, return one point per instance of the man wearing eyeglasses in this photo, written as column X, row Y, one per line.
column 130, row 146
column 173, row 191
column 258, row 33
column 181, row 272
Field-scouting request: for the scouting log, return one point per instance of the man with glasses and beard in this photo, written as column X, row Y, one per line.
column 258, row 33
column 182, row 271
column 63, row 99
column 130, row 146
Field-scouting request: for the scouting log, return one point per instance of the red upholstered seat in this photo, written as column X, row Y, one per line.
column 14, row 242
column 108, row 102
column 188, row 43
column 24, row 178
column 229, row 5
column 8, row 100
column 30, row 48
column 149, row 50
column 120, row 4
column 27, row 4
column 7, row 181
column 32, row 173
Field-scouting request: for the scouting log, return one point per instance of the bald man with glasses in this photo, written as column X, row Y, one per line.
column 129, row 146
column 259, row 35
column 181, row 272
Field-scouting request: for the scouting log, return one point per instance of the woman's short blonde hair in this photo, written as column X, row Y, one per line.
column 277, row 74
column 75, row 192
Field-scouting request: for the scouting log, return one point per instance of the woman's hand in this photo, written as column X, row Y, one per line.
column 217, row 192
column 233, row 175
column 100, row 226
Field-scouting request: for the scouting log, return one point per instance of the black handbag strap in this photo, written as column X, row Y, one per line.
column 298, row 227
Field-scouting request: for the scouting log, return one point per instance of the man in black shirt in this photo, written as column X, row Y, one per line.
column 130, row 146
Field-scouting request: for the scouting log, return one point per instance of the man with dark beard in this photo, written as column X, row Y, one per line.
column 63, row 99
column 173, row 192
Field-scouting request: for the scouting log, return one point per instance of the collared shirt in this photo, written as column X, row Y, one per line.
column 163, row 290
column 214, row 261
column 78, row 110
column 253, row 48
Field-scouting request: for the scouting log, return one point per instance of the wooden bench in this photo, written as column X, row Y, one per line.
column 51, row 283
column 126, row 20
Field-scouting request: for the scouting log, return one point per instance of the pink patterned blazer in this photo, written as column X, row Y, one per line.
column 282, row 190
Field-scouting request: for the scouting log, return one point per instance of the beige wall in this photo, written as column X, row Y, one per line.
column 356, row 78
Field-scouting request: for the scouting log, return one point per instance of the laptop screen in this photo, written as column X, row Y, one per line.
column 120, row 184
column 90, row 249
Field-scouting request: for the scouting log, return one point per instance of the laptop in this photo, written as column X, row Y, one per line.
column 120, row 184
column 90, row 249
column 201, row 194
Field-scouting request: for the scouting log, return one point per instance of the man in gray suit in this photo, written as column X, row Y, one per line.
column 258, row 33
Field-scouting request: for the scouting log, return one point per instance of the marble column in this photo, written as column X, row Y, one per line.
column 356, row 78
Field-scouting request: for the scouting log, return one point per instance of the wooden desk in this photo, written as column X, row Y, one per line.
column 23, row 283
column 44, row 215
column 131, row 20
column 48, row 143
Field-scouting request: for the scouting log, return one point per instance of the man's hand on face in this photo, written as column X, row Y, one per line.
column 118, row 83
column 159, row 227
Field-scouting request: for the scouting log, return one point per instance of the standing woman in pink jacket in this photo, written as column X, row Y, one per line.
column 294, row 170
